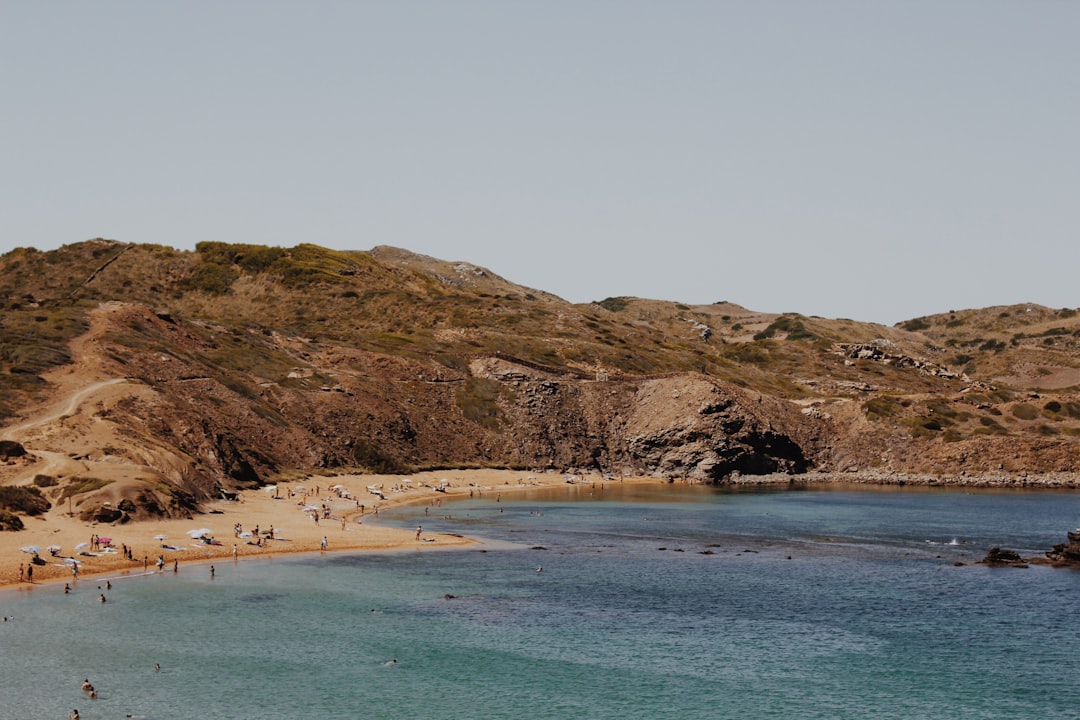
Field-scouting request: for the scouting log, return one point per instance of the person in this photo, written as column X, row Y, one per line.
column 418, row 530
column 157, row 667
column 175, row 566
column 108, row 584
column 86, row 686
column 211, row 571
column 323, row 543
column 75, row 714
column 67, row 588
column 29, row 573
column 101, row 597
column 22, row 572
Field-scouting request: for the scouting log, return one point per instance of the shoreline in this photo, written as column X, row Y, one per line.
column 351, row 501
column 289, row 508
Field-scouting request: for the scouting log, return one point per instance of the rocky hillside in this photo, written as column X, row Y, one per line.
column 144, row 374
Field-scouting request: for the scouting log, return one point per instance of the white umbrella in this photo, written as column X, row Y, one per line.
column 160, row 536
column 198, row 533
column 31, row 549
column 82, row 546
column 53, row 549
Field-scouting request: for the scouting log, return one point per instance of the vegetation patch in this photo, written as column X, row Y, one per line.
column 916, row 325
column 78, row 486
column 10, row 521
column 478, row 399
column 882, row 406
column 373, row 458
column 1024, row 411
column 27, row 500
column 792, row 328
column 614, row 304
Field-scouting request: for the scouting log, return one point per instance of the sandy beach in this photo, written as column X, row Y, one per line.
column 344, row 505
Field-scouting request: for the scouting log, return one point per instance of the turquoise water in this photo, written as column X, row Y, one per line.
column 652, row 602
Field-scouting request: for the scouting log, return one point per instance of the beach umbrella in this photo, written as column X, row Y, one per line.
column 160, row 536
column 82, row 546
column 31, row 549
column 104, row 540
column 53, row 549
column 198, row 533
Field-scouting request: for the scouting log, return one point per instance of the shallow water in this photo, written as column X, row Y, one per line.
column 652, row 602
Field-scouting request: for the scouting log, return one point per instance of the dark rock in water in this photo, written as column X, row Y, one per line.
column 1066, row 554
column 999, row 557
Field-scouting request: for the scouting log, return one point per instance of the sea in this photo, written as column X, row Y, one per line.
column 607, row 601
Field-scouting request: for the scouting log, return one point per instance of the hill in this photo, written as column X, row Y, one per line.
column 142, row 377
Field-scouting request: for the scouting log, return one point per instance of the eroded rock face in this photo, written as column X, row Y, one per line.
column 699, row 428
column 685, row 426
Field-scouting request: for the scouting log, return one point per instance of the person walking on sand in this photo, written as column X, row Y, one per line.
column 323, row 544
column 30, row 574
column 419, row 529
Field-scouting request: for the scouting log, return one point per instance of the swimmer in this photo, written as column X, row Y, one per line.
column 101, row 598
column 157, row 667
column 74, row 714
column 391, row 662
column 86, row 686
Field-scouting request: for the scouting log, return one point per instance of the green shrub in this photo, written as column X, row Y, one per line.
column 614, row 304
column 915, row 325
column 373, row 458
column 881, row 406
column 10, row 521
column 23, row 499
column 478, row 399
column 78, row 486
column 1023, row 411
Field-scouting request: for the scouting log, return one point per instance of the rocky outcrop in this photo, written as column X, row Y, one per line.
column 999, row 557
column 1067, row 553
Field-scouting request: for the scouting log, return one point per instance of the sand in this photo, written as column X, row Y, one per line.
column 295, row 529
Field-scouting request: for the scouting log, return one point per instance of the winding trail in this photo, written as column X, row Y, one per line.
column 60, row 410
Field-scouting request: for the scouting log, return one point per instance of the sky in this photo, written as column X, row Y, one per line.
column 878, row 161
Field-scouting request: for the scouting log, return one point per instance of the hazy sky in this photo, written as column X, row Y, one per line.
column 876, row 160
